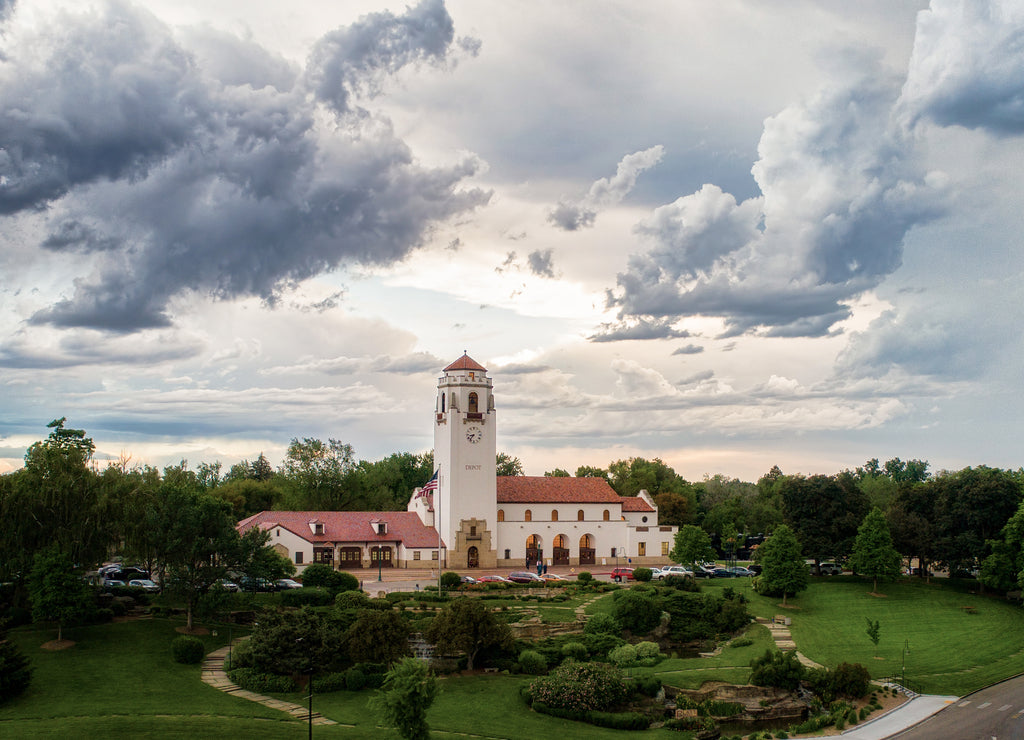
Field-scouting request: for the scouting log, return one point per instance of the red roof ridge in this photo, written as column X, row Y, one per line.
column 465, row 363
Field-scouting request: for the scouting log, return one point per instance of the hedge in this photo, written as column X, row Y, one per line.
column 187, row 649
column 252, row 680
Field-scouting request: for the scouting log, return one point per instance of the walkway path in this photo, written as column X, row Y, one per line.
column 214, row 675
column 784, row 640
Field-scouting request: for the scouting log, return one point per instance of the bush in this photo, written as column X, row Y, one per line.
column 187, row 649
column 241, row 655
column 262, row 683
column 355, row 679
column 307, row 596
column 642, row 575
column 598, row 645
column 329, row 682
column 647, row 650
column 319, row 575
column 649, row 685
column 619, row 720
column 602, row 624
column 103, row 616
column 637, row 611
column 585, row 577
column 359, row 600
column 533, row 662
column 776, row 668
column 623, row 655
column 580, row 686
column 450, row 580
column 741, row 642
column 575, row 650
column 850, row 680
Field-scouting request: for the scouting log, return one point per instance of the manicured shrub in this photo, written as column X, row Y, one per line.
column 619, row 720
column 261, row 683
column 187, row 649
column 575, row 650
column 241, row 655
column 647, row 650
column 355, row 679
column 581, row 686
column 642, row 575
column 623, row 656
column 117, row 609
column 599, row 644
column 741, row 642
column 533, row 662
column 851, row 680
column 637, row 611
column 359, row 600
column 450, row 580
column 602, row 624
column 585, row 577
column 103, row 616
column 328, row 682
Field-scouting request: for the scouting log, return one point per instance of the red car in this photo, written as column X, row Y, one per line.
column 618, row 574
column 492, row 579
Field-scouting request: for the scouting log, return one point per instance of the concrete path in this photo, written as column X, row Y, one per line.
column 920, row 708
column 214, row 675
column 784, row 640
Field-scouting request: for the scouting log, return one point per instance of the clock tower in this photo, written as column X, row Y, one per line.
column 465, row 448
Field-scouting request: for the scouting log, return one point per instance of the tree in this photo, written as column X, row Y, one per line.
column 1004, row 568
column 58, row 592
column 873, row 553
column 557, row 473
column 629, row 477
column 318, row 471
column 874, row 632
column 823, row 511
column 15, row 669
column 692, row 546
column 783, row 569
column 467, row 625
column 507, row 465
column 675, row 508
column 405, row 697
column 589, row 471
column 378, row 637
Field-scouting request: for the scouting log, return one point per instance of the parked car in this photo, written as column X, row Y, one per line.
column 145, row 584
column 755, row 569
column 740, row 572
column 284, row 584
column 721, row 572
column 829, row 569
column 256, row 584
column 673, row 570
column 553, row 577
column 620, row 574
column 525, row 576
column 493, row 579
column 227, row 585
column 113, row 583
column 469, row 579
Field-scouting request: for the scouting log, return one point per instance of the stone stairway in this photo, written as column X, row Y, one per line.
column 214, row 675
column 784, row 640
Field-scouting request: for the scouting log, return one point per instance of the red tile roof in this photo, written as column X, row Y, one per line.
column 465, row 363
column 347, row 526
column 529, row 489
column 635, row 503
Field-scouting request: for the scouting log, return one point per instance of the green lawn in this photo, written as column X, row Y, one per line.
column 959, row 641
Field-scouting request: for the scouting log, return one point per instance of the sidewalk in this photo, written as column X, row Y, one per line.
column 919, row 708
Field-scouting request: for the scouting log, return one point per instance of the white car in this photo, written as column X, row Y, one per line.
column 285, row 583
column 673, row 570
column 145, row 584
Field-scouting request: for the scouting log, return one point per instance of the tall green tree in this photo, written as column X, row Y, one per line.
column 317, row 471
column 1003, row 569
column 377, row 637
column 692, row 546
column 468, row 626
column 783, row 569
column 15, row 669
column 873, row 553
column 823, row 511
column 629, row 477
column 507, row 465
column 405, row 697
column 58, row 592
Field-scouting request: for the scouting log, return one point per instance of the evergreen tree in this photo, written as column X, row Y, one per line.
column 873, row 553
column 782, row 564
column 405, row 697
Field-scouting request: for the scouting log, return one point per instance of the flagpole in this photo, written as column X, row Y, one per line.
column 437, row 525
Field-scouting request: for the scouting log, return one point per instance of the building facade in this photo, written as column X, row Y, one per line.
column 468, row 517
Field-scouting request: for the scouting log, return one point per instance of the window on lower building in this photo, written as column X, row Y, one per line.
column 528, row 516
column 298, row 558
column 501, row 515
column 472, row 530
column 641, row 549
column 433, row 555
column 607, row 515
column 579, row 515
column 415, row 554
column 664, row 549
column 554, row 515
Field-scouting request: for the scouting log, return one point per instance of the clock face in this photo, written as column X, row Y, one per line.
column 474, row 434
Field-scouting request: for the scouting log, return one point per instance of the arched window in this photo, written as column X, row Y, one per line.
column 607, row 515
column 473, row 402
column 528, row 516
column 443, row 399
column 501, row 515
column 579, row 515
column 561, row 541
column 554, row 515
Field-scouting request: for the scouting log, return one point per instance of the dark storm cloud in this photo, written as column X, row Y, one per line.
column 209, row 175
column 353, row 60
column 90, row 348
column 968, row 66
column 840, row 189
column 643, row 329
column 541, row 264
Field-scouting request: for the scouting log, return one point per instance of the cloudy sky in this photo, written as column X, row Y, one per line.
column 731, row 234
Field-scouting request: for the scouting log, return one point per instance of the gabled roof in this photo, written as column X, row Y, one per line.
column 466, row 363
column 347, row 526
column 529, row 489
column 635, row 503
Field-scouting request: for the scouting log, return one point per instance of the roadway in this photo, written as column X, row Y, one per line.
column 995, row 713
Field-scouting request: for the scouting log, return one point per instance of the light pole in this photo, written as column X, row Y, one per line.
column 309, row 671
column 906, row 650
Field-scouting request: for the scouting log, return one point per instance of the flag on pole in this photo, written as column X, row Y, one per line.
column 430, row 486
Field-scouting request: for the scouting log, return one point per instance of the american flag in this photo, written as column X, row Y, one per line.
column 430, row 486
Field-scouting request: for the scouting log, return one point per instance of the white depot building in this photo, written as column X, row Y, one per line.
column 469, row 517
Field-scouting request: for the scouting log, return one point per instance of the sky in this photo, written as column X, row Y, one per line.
column 729, row 235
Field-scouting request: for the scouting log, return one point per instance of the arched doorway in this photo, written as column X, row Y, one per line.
column 534, row 551
column 473, row 557
column 560, row 550
column 588, row 555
